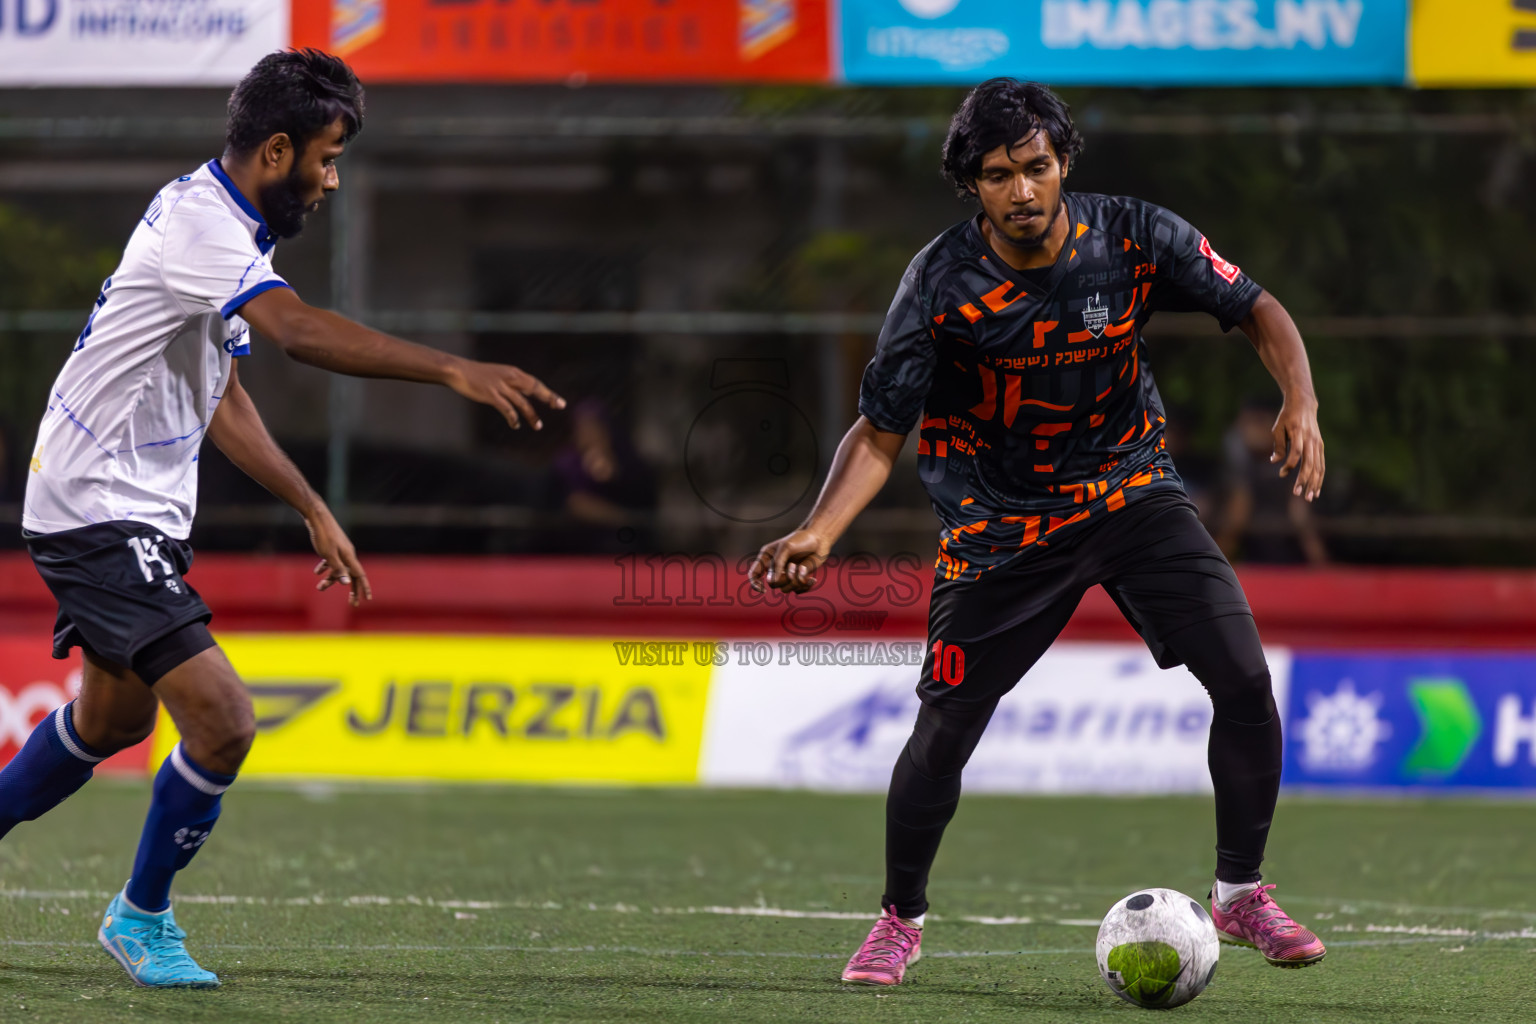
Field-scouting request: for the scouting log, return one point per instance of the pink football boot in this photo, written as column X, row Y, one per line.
column 1257, row 921
column 891, row 948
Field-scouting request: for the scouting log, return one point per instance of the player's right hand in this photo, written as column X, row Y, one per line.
column 506, row 389
column 789, row 563
column 338, row 558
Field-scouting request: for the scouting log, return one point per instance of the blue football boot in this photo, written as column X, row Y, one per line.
column 150, row 947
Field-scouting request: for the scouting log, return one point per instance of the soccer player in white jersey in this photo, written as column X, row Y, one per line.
column 113, row 487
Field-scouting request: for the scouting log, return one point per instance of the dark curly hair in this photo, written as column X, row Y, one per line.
column 1004, row 112
column 296, row 93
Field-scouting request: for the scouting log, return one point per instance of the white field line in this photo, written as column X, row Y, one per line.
column 1417, row 932
column 1447, row 933
column 366, row 900
column 637, row 950
column 1349, row 906
column 222, row 899
column 1074, row 894
column 957, row 954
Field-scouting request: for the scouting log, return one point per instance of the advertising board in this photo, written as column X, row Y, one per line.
column 32, row 684
column 571, row 40
column 1088, row 718
column 484, row 709
column 817, row 714
column 1125, row 42
column 1473, row 42
column 1363, row 720
column 136, row 42
column 1106, row 42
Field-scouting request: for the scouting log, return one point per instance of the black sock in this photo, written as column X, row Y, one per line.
column 1245, row 768
column 925, row 789
column 1245, row 748
column 916, row 812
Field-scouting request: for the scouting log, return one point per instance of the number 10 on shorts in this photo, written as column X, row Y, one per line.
column 948, row 663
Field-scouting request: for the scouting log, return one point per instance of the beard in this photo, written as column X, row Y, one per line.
column 284, row 206
column 1036, row 241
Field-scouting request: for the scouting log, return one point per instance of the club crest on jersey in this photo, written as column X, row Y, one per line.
column 1095, row 316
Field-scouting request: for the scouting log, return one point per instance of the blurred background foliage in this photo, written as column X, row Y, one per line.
column 43, row 265
column 1395, row 225
column 1413, row 223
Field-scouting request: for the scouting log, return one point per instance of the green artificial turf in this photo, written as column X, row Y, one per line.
column 488, row 904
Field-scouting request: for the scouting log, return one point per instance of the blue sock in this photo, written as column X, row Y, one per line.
column 51, row 765
column 182, row 811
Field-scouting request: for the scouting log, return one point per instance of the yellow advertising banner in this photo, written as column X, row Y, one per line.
column 468, row 708
column 1473, row 42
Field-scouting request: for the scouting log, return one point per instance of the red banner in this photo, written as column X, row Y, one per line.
column 31, row 685
column 570, row 40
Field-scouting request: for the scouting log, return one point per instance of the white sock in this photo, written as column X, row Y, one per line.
column 1226, row 892
column 916, row 922
column 140, row 910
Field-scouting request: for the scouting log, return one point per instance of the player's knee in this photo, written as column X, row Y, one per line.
column 926, row 763
column 131, row 734
column 137, row 728
column 1245, row 696
column 222, row 746
column 942, row 741
column 928, row 758
column 107, row 736
column 237, row 743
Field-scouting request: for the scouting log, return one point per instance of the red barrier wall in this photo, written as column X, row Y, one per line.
column 646, row 596
column 33, row 684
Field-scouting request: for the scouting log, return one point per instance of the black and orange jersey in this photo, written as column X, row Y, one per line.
column 1032, row 390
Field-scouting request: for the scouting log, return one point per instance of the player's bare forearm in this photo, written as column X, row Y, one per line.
column 332, row 342
column 1298, row 439
column 860, row 468
column 237, row 429
column 1279, row 345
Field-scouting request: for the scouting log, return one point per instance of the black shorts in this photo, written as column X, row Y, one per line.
column 1154, row 558
column 120, row 589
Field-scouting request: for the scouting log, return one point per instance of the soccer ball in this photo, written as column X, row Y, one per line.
column 1157, row 948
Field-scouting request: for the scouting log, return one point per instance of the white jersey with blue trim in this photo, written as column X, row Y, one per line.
column 128, row 411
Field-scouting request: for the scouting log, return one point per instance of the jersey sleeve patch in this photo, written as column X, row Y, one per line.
column 1228, row 271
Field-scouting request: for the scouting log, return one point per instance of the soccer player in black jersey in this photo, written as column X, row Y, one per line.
column 1014, row 347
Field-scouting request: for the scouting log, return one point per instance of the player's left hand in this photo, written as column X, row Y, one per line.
column 1299, row 442
column 508, row 390
column 338, row 559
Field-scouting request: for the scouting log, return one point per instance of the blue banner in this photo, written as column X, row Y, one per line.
column 1126, row 42
column 1457, row 720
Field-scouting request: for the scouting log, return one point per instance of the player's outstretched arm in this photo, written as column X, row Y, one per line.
column 1298, row 440
column 237, row 429
column 860, row 468
column 332, row 342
